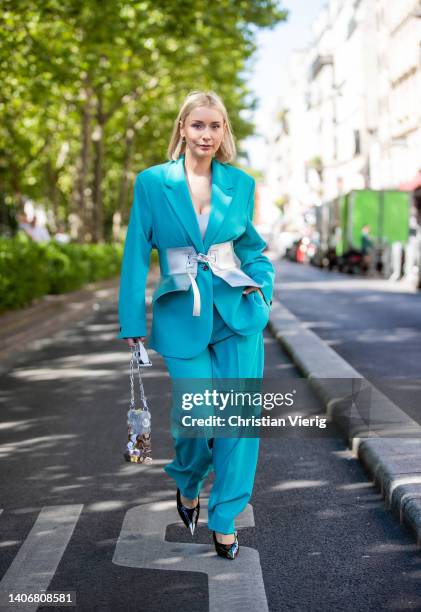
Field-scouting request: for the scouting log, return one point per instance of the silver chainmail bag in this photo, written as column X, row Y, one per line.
column 138, row 448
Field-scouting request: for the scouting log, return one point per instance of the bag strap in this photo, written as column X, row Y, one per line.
column 141, row 389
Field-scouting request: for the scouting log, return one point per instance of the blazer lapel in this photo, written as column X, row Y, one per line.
column 221, row 197
column 178, row 194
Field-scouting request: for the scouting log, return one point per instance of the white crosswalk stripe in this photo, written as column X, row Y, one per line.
column 37, row 559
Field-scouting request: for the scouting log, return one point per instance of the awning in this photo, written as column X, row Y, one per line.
column 411, row 185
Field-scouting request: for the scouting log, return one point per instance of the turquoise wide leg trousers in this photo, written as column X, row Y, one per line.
column 234, row 460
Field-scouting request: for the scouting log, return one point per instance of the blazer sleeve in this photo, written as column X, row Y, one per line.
column 249, row 248
column 135, row 265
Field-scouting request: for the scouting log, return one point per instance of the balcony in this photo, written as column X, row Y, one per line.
column 320, row 62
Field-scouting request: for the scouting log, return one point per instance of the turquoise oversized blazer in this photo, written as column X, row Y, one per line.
column 163, row 216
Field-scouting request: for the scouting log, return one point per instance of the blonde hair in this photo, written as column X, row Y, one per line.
column 177, row 146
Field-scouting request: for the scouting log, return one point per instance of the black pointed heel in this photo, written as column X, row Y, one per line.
column 229, row 551
column 189, row 516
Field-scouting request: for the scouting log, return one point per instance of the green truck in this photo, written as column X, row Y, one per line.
column 340, row 224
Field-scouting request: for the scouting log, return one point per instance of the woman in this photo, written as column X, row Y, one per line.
column 213, row 299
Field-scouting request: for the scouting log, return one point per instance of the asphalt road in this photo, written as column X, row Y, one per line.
column 324, row 538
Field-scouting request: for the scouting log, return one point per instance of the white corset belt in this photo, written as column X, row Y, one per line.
column 220, row 258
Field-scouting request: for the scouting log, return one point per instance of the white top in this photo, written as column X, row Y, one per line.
column 203, row 222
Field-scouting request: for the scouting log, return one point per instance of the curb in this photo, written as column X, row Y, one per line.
column 394, row 463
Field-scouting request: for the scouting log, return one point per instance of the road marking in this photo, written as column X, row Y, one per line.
column 37, row 559
column 233, row 585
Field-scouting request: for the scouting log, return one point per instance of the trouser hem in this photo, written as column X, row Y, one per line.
column 224, row 528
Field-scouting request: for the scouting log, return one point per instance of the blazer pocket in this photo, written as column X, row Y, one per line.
column 258, row 298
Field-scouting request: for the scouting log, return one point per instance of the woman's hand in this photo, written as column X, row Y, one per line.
column 133, row 341
column 250, row 289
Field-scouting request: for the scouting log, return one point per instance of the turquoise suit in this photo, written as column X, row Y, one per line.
column 225, row 340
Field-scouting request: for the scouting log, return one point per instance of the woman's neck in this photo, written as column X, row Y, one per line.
column 199, row 167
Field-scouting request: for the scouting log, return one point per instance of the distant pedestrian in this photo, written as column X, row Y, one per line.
column 39, row 233
column 366, row 242
column 367, row 246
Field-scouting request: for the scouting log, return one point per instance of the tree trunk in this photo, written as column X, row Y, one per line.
column 122, row 204
column 80, row 205
column 98, row 145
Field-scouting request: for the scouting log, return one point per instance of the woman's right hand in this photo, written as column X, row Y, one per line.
column 133, row 341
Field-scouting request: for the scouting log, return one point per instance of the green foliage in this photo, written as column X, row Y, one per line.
column 22, row 272
column 90, row 91
column 29, row 270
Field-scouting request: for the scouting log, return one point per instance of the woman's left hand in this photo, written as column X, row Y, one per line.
column 250, row 289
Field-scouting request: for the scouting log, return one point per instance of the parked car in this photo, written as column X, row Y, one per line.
column 302, row 250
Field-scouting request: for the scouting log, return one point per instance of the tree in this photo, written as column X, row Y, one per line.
column 91, row 89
